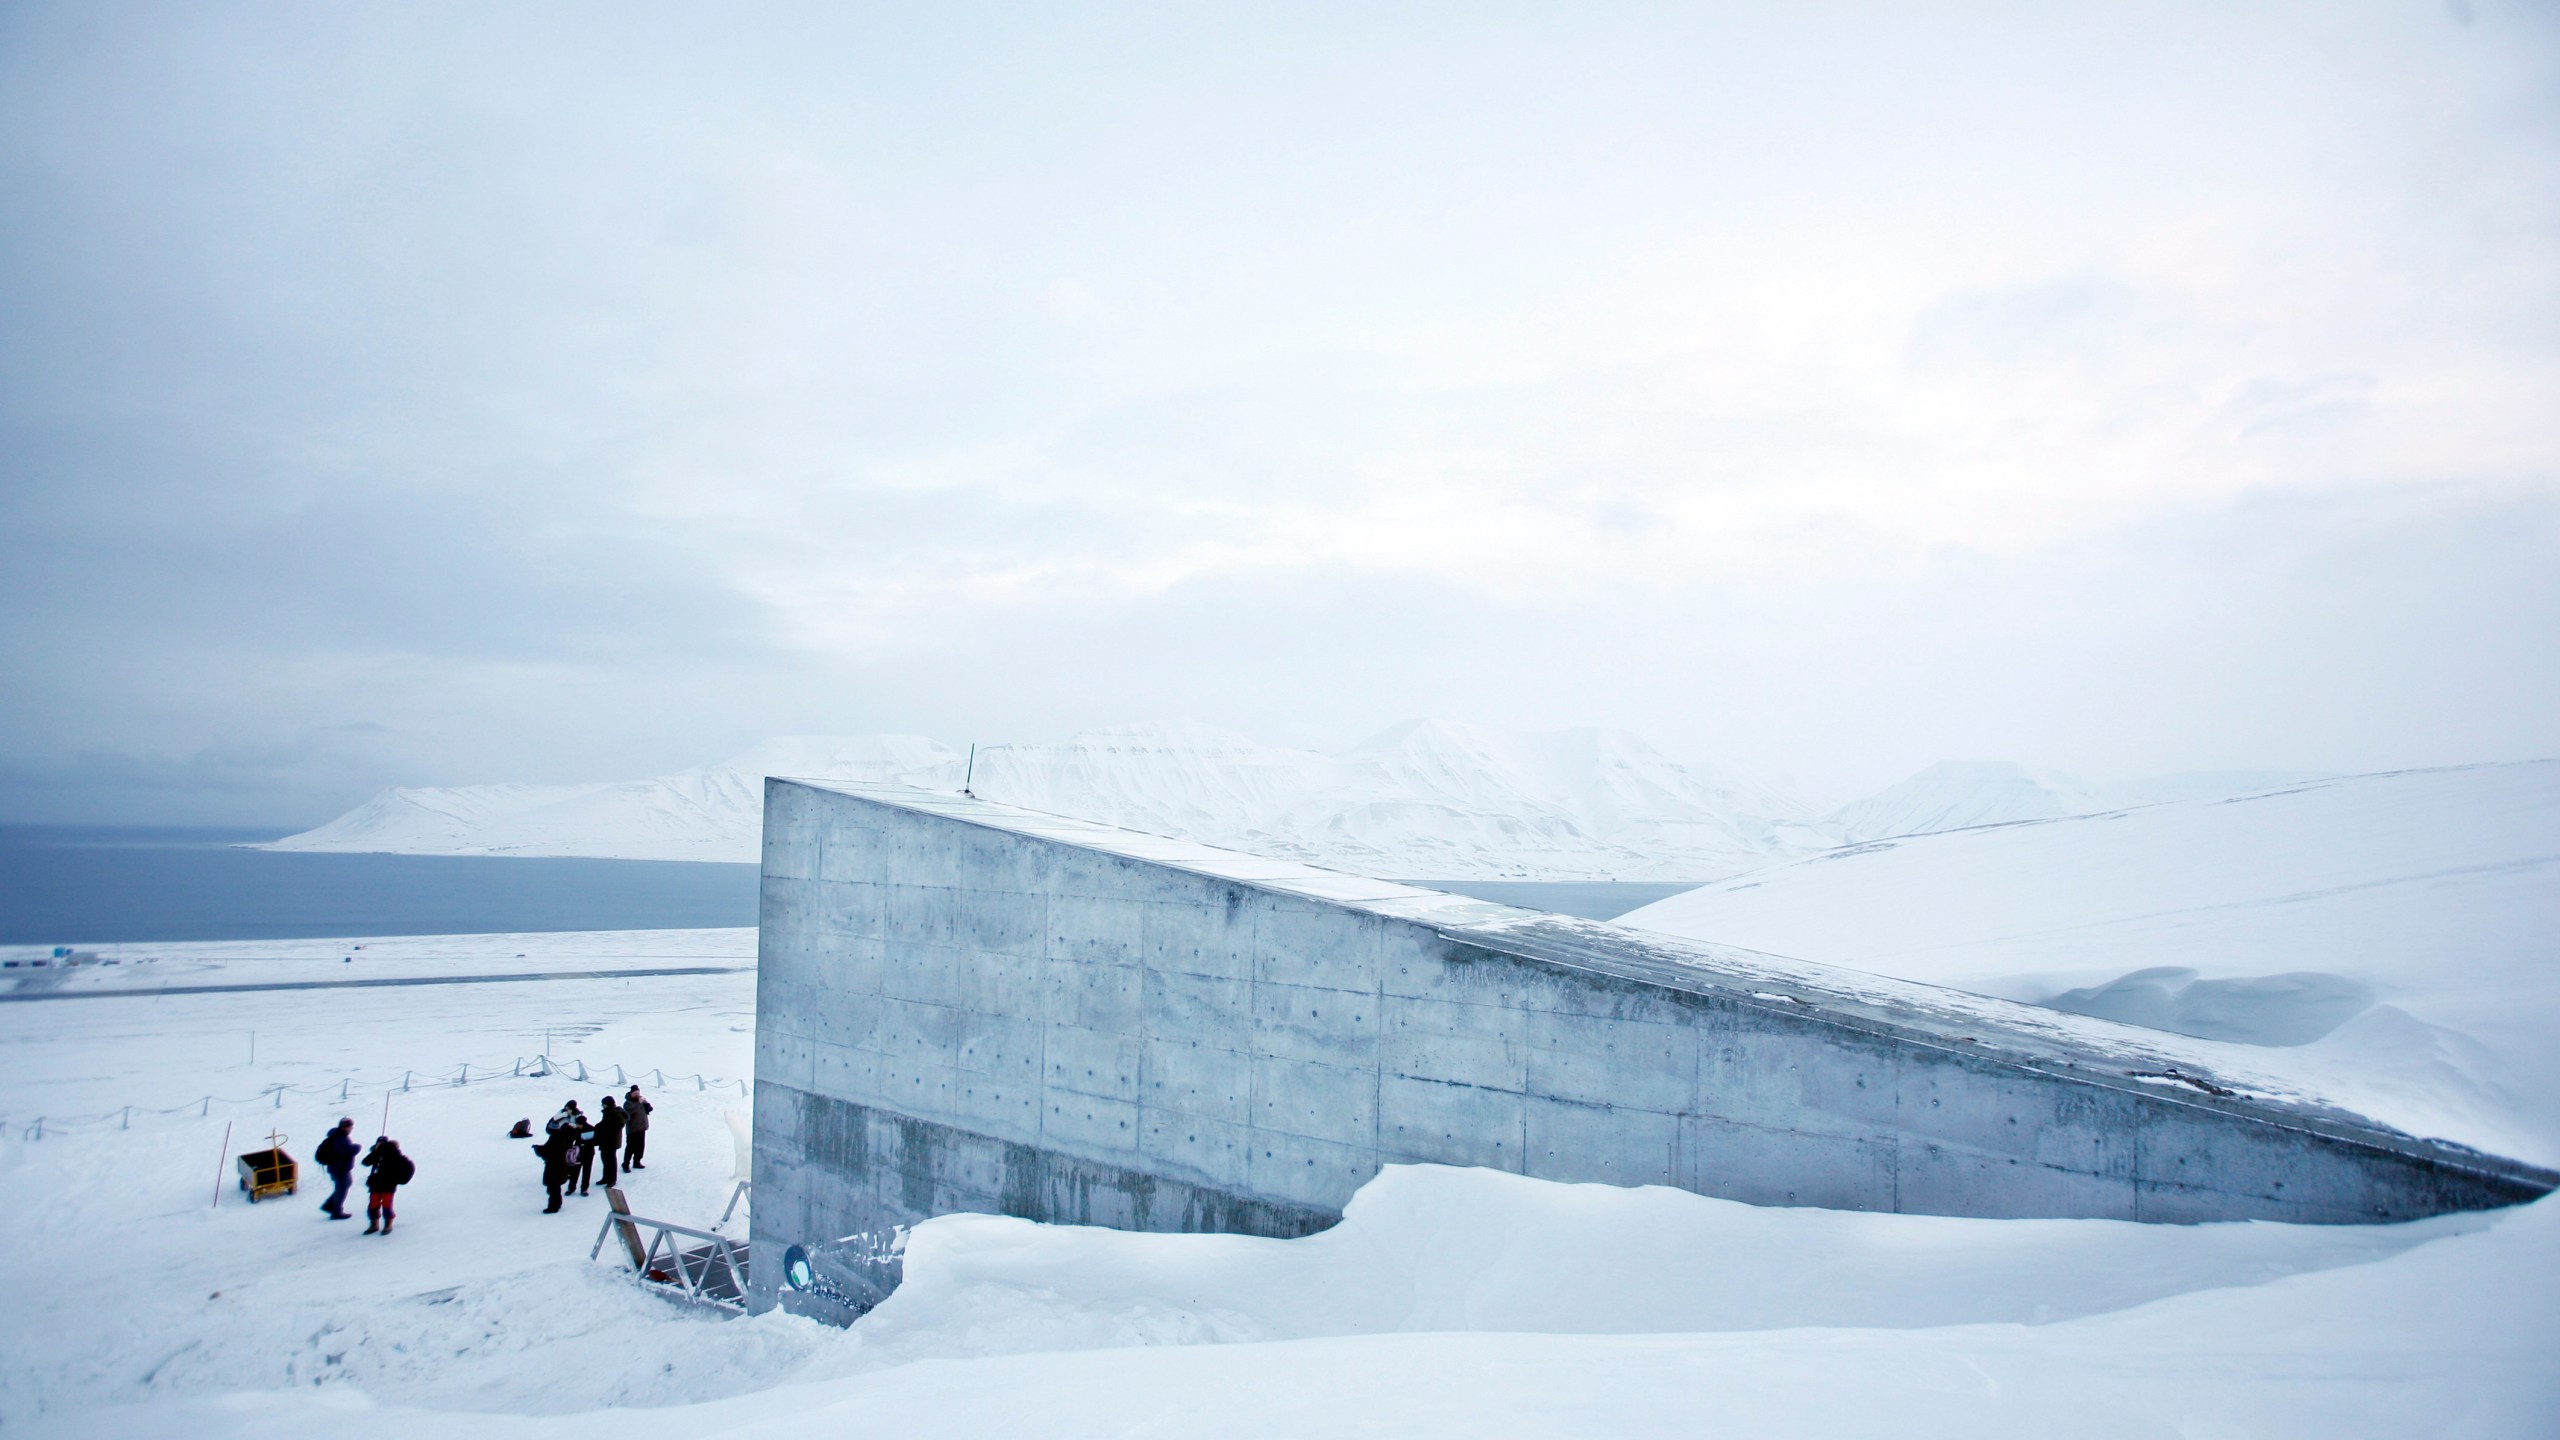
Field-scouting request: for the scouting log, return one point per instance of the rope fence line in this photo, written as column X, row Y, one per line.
column 539, row 1067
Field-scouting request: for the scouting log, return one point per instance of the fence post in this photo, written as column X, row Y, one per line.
column 658, row 1079
column 582, row 1070
column 404, row 1081
column 519, row 1070
column 617, row 1076
column 39, row 1130
column 465, row 1077
column 128, row 1119
column 208, row 1106
column 699, row 1083
column 279, row 1097
column 342, row 1089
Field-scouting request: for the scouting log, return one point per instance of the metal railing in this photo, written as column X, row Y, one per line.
column 353, row 1086
column 710, row 1271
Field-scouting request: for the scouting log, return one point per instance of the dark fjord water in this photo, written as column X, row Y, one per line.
column 78, row 885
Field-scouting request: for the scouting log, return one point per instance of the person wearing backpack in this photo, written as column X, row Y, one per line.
column 386, row 1170
column 609, row 1128
column 559, row 1151
column 337, row 1155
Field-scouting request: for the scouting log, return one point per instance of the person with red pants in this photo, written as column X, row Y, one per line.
column 386, row 1170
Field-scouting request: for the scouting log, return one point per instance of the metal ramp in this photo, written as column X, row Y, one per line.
column 701, row 1266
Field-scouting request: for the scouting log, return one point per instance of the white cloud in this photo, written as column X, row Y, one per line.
column 1736, row 363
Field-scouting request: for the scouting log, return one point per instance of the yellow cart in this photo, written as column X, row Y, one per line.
column 267, row 1172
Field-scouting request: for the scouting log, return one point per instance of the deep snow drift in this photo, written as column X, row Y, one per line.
column 2389, row 941
column 1420, row 799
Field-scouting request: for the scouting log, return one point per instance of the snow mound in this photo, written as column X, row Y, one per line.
column 2395, row 937
column 1962, row 794
column 2290, row 1009
column 1435, row 1248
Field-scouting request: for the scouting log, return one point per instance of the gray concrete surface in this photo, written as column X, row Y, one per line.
column 966, row 1007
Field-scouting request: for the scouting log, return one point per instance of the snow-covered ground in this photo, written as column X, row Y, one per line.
column 139, row 1270
column 147, row 966
column 1451, row 1302
column 1420, row 799
column 2389, row 941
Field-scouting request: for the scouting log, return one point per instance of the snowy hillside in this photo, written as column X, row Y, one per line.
column 2391, row 940
column 1421, row 799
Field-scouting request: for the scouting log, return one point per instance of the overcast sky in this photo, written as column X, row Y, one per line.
column 545, row 392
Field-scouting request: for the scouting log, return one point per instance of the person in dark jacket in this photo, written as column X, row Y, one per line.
column 559, row 1152
column 609, row 1125
column 586, row 1153
column 337, row 1155
column 635, row 1127
column 386, row 1170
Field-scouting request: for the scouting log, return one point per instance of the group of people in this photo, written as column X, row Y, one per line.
column 386, row 1170
column 572, row 1143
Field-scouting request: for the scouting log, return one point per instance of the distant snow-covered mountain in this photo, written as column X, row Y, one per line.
column 1419, row 800
column 1422, row 799
column 715, row 812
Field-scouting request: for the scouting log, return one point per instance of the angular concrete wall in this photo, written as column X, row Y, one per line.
column 963, row 1007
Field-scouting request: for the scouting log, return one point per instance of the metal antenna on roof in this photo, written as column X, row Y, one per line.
column 971, row 778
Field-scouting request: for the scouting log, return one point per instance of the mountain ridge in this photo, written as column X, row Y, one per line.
column 1420, row 798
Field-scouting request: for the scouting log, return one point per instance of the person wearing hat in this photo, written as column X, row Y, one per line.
column 386, row 1170
column 635, row 1127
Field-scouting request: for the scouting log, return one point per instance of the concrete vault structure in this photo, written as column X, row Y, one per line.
column 967, row 1007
